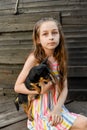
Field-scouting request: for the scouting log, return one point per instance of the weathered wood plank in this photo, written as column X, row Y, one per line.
column 77, row 71
column 77, row 35
column 59, row 1
column 39, row 3
column 74, row 20
column 15, row 43
column 77, row 62
column 16, row 36
column 8, row 75
column 77, row 82
column 11, row 117
column 15, row 27
column 8, row 26
column 76, row 50
column 21, row 125
column 9, row 114
column 77, row 40
column 75, row 13
column 76, row 43
column 51, row 3
column 74, row 28
column 77, row 88
column 41, row 6
column 51, row 6
column 47, row 9
column 7, row 5
column 17, row 56
column 7, row 12
column 6, row 2
column 26, row 18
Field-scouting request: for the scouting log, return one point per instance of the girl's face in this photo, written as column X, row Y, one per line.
column 49, row 36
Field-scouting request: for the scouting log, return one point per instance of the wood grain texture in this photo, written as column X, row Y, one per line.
column 16, row 44
column 8, row 113
column 16, row 34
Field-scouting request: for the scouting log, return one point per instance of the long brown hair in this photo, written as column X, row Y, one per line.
column 59, row 53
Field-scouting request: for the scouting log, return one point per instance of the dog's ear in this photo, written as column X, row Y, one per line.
column 45, row 61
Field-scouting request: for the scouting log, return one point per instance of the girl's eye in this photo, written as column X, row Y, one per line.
column 45, row 34
column 54, row 32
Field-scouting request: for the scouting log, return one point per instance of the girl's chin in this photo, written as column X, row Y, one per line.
column 52, row 47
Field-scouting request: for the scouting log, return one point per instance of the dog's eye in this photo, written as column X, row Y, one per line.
column 45, row 82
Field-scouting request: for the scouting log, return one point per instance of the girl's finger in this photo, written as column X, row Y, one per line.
column 54, row 120
column 50, row 118
column 57, row 120
column 61, row 119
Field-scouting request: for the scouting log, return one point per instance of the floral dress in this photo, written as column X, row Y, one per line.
column 42, row 107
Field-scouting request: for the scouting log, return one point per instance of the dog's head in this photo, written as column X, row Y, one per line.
column 41, row 70
column 37, row 72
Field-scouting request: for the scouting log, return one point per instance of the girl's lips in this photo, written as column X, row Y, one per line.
column 51, row 43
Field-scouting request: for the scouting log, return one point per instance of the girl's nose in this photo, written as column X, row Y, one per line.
column 51, row 37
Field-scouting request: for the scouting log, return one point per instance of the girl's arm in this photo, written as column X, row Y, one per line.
column 19, row 85
column 55, row 115
column 62, row 97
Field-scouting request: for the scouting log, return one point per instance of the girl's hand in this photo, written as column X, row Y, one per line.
column 55, row 118
column 45, row 86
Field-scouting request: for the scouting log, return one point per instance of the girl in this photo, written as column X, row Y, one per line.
column 49, row 111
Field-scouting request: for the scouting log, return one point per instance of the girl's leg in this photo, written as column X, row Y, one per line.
column 80, row 123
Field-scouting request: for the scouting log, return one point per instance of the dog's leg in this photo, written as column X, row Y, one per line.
column 44, row 80
column 16, row 102
column 34, row 85
column 30, row 117
column 29, row 112
column 25, row 107
column 53, row 78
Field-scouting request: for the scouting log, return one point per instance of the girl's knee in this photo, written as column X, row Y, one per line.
column 80, row 123
column 85, row 123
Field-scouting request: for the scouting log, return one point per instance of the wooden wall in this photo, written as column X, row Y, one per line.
column 16, row 36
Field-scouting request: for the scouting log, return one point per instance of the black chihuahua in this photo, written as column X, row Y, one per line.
column 32, row 82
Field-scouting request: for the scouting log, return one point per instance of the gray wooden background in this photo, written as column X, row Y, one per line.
column 16, row 37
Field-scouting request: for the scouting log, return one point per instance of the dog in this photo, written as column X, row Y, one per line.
column 37, row 74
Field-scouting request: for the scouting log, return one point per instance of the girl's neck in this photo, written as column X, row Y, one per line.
column 49, row 52
column 51, row 59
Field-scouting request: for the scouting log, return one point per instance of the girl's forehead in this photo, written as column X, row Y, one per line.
column 48, row 25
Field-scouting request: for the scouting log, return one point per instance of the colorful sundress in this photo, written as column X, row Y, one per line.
column 43, row 105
